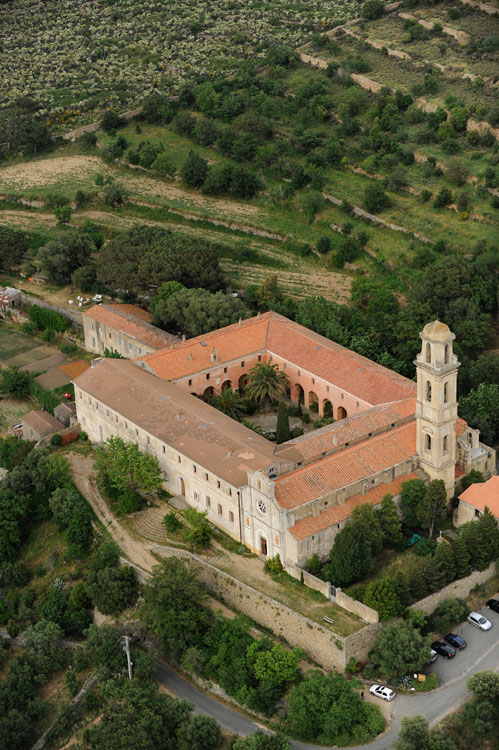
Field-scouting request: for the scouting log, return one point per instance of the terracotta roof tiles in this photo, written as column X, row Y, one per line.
column 337, row 513
column 483, row 494
column 350, row 430
column 125, row 318
column 345, row 467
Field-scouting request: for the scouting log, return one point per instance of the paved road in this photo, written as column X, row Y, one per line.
column 481, row 653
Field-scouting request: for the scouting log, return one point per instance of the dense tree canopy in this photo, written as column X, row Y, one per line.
column 61, row 257
column 144, row 256
column 196, row 311
column 401, row 649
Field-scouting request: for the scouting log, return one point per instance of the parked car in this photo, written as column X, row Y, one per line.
column 381, row 691
column 433, row 656
column 455, row 640
column 479, row 621
column 493, row 604
column 443, row 649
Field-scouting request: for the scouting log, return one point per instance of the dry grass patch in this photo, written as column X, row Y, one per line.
column 61, row 172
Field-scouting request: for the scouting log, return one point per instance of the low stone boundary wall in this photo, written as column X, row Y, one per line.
column 308, row 579
column 358, row 608
column 74, row 316
column 457, row 589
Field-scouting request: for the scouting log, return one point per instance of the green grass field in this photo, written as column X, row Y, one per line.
column 13, row 343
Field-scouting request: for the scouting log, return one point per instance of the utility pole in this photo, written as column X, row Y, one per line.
column 126, row 649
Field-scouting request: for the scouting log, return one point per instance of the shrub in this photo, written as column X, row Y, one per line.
column 130, row 502
column 172, row 522
column 111, row 121
column 273, row 565
column 115, row 194
column 449, row 613
column 443, row 198
column 47, row 319
column 375, row 198
column 373, row 9
column 56, row 439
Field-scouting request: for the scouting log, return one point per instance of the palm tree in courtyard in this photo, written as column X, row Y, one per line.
column 265, row 383
column 229, row 402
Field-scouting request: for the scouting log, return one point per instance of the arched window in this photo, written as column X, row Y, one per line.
column 428, row 390
column 446, row 354
column 446, row 443
column 446, row 392
column 428, row 442
column 428, row 353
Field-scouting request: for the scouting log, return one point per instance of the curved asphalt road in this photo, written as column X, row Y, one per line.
column 481, row 653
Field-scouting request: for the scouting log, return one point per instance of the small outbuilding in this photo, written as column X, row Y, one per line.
column 39, row 424
column 476, row 497
column 9, row 297
column 65, row 412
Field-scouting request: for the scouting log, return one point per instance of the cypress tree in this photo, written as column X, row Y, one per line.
column 476, row 551
column 461, row 557
column 417, row 584
column 401, row 586
column 489, row 534
column 283, row 432
column 444, row 562
column 390, row 522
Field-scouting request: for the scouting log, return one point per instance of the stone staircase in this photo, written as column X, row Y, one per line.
column 149, row 524
column 178, row 502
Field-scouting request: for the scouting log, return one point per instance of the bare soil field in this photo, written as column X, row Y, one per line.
column 70, row 172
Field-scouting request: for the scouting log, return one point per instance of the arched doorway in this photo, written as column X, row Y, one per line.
column 298, row 394
column 327, row 408
column 226, row 384
column 263, row 546
column 209, row 392
column 313, row 401
column 342, row 413
column 181, row 486
column 241, row 384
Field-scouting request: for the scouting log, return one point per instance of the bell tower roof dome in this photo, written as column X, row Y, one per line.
column 437, row 331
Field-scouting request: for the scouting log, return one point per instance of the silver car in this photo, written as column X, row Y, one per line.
column 381, row 691
column 479, row 621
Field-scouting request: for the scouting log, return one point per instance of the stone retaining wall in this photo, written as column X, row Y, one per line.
column 458, row 589
column 323, row 645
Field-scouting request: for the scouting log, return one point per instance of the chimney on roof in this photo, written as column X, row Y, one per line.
column 183, row 337
column 190, row 357
column 258, row 315
column 214, row 355
column 239, row 321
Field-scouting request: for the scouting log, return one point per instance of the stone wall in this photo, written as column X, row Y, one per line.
column 458, row 589
column 74, row 316
column 308, row 579
column 352, row 605
column 322, row 644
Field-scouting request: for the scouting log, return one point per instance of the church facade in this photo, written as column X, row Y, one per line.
column 290, row 499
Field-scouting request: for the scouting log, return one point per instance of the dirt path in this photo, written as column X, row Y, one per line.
column 85, row 479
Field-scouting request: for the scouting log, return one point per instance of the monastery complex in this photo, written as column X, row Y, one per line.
column 291, row 498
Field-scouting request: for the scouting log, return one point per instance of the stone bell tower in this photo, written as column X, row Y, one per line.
column 436, row 405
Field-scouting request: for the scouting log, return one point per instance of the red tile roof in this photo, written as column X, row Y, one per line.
column 337, row 513
column 74, row 369
column 483, row 494
column 345, row 467
column 283, row 338
column 335, row 364
column 194, row 355
column 130, row 320
column 350, row 430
